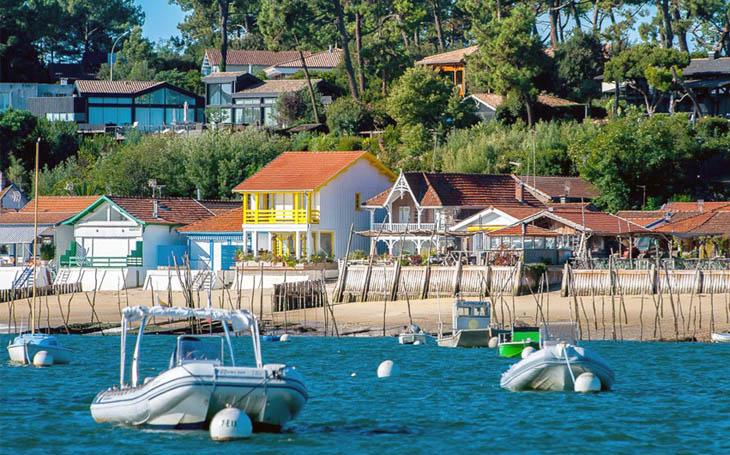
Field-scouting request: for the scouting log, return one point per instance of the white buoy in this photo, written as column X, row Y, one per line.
column 284, row 338
column 527, row 351
column 43, row 359
column 587, row 382
column 229, row 424
column 493, row 342
column 387, row 369
column 417, row 342
column 353, row 375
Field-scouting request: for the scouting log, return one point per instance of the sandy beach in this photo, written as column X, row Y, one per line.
column 697, row 316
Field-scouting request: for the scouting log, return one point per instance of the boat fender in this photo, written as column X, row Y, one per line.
column 417, row 343
column 387, row 369
column 527, row 351
column 493, row 342
column 229, row 424
column 43, row 359
column 284, row 338
column 587, row 382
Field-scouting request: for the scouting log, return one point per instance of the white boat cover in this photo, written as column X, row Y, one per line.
column 240, row 319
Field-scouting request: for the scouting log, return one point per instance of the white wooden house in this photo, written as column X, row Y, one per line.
column 303, row 203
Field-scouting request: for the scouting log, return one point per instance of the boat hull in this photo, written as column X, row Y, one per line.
column 189, row 396
column 478, row 338
column 547, row 370
column 720, row 337
column 410, row 338
column 23, row 349
column 510, row 349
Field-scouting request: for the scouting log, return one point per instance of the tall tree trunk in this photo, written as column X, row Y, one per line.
column 553, row 13
column 690, row 92
column 345, row 47
column 358, row 51
column 402, row 32
column 680, row 30
column 576, row 16
column 530, row 112
column 596, row 9
column 437, row 24
column 309, row 81
column 223, row 10
column 663, row 6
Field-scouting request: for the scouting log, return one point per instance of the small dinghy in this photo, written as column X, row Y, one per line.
column 720, row 337
column 197, row 384
column 557, row 365
column 24, row 348
column 414, row 334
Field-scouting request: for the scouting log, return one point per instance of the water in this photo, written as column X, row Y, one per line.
column 668, row 398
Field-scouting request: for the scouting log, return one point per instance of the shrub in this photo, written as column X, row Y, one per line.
column 48, row 251
column 346, row 116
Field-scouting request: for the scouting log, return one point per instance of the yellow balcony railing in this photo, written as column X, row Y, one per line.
column 272, row 216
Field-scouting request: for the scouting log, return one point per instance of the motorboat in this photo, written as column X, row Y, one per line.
column 512, row 343
column 198, row 382
column 471, row 322
column 24, row 348
column 557, row 364
column 414, row 334
column 723, row 337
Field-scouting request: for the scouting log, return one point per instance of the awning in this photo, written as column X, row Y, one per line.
column 20, row 234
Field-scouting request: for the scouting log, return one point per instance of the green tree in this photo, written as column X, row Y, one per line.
column 420, row 96
column 346, row 117
column 510, row 56
column 647, row 64
column 18, row 134
column 579, row 60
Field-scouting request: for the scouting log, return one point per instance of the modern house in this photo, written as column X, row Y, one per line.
column 245, row 61
column 17, row 94
column 303, row 203
column 126, row 237
column 148, row 105
column 324, row 61
column 219, row 90
column 212, row 242
column 427, row 210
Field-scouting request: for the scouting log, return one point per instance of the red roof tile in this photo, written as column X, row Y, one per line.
column 279, row 86
column 696, row 206
column 258, row 58
column 517, row 230
column 471, row 190
column 169, row 210
column 324, row 59
column 599, row 222
column 494, row 100
column 229, row 221
column 51, row 209
column 557, row 187
column 708, row 223
column 444, row 58
column 112, row 87
column 296, row 171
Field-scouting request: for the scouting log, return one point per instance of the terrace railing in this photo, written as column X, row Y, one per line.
column 402, row 227
column 102, row 262
column 275, row 216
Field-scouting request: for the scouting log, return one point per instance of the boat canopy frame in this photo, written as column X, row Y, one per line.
column 240, row 321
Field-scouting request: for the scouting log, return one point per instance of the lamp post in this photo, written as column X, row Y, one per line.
column 111, row 62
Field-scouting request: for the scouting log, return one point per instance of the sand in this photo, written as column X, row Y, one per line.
column 693, row 313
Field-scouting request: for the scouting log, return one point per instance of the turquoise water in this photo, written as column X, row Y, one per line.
column 668, row 398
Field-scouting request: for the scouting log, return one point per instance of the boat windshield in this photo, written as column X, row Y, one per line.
column 198, row 349
column 552, row 333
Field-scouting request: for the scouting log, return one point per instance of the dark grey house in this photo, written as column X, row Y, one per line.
column 220, row 87
column 18, row 94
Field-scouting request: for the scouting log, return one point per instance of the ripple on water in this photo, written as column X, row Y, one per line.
column 668, row 398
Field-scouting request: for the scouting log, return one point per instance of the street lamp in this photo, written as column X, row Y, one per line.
column 111, row 62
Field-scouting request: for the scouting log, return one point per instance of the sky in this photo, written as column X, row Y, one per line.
column 161, row 19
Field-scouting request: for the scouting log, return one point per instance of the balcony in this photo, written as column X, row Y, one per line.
column 101, row 262
column 274, row 216
column 402, row 227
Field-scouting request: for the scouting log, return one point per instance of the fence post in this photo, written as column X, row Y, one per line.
column 517, row 276
column 564, row 286
column 396, row 281
column 457, row 277
column 653, row 279
column 366, row 283
column 700, row 281
column 425, row 280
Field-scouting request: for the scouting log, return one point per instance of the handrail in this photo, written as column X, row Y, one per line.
column 102, row 261
column 253, row 216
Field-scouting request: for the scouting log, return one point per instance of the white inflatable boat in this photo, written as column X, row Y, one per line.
column 197, row 384
column 557, row 364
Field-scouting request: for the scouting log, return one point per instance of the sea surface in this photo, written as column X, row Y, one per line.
column 667, row 398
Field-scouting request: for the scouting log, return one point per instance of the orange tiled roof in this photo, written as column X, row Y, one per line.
column 295, row 171
column 599, row 222
column 229, row 221
column 259, row 58
column 494, row 100
column 453, row 189
column 707, row 223
column 695, row 206
column 279, row 86
column 169, row 210
column 111, row 87
column 51, row 209
column 517, row 230
column 556, row 187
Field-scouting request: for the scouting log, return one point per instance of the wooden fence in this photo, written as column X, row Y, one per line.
column 7, row 295
column 362, row 283
column 299, row 295
column 584, row 282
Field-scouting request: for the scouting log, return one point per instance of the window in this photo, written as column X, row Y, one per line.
column 326, row 241
column 358, row 201
column 550, row 243
column 404, row 214
column 96, row 115
column 516, row 243
column 247, row 116
column 96, row 99
column 528, row 243
column 269, row 113
column 539, row 243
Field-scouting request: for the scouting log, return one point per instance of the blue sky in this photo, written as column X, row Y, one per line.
column 161, row 19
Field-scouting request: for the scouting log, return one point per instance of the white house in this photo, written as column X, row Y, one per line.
column 212, row 242
column 116, row 240
column 303, row 203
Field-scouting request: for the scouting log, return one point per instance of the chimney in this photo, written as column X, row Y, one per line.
column 711, row 55
column 519, row 191
column 701, row 205
column 197, row 192
column 330, row 49
column 154, row 208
